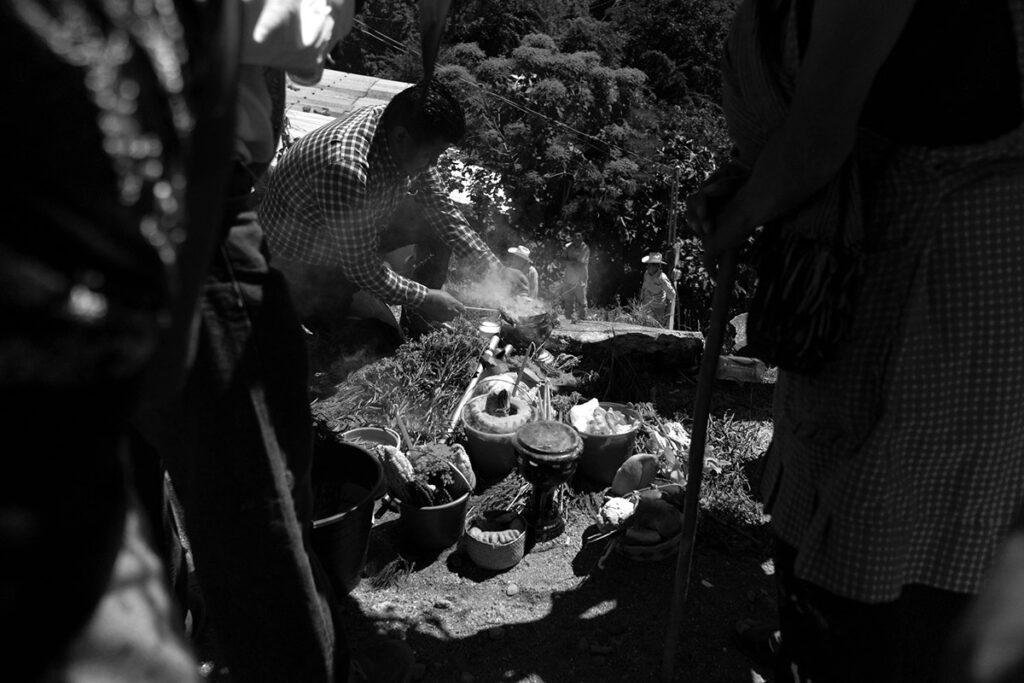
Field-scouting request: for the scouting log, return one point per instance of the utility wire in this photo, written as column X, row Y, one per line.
column 393, row 43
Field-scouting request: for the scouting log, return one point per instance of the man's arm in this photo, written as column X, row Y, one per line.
column 339, row 190
column 666, row 286
column 446, row 220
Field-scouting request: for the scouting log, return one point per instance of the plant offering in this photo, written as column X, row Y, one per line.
column 499, row 413
column 424, row 478
column 497, row 527
column 591, row 418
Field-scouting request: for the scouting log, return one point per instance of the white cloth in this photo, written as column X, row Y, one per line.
column 294, row 35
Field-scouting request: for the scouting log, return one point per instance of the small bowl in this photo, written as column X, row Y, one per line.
column 489, row 328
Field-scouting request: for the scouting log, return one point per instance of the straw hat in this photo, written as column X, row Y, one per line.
column 653, row 257
column 520, row 251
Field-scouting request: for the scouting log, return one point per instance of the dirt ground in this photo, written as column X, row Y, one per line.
column 558, row 616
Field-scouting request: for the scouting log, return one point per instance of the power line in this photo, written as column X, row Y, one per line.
column 393, row 43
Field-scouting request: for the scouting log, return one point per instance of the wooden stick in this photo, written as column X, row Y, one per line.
column 403, row 431
column 698, row 440
column 478, row 309
column 493, row 344
column 519, row 375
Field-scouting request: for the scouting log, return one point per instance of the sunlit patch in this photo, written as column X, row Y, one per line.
column 599, row 610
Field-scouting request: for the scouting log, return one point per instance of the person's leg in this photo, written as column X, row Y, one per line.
column 430, row 262
column 237, row 447
column 826, row 637
column 322, row 295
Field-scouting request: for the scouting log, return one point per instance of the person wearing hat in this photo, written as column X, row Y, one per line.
column 521, row 261
column 657, row 293
column 577, row 275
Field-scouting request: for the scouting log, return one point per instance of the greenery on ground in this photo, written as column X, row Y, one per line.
column 424, row 380
column 577, row 122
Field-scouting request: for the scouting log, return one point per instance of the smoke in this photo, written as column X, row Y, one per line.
column 492, row 289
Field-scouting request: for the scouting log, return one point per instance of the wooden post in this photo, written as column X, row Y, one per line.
column 695, row 463
column 673, row 247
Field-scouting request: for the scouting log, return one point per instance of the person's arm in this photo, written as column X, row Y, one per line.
column 446, row 220
column 339, row 190
column 666, row 286
column 849, row 41
column 534, row 281
column 451, row 226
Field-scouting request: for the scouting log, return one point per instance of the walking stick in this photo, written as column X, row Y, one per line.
column 698, row 440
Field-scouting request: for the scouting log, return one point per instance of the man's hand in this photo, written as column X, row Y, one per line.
column 518, row 283
column 440, row 305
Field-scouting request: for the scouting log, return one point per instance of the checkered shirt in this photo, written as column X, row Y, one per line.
column 902, row 462
column 332, row 193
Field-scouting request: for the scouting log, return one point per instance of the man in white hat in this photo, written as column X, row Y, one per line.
column 657, row 293
column 519, row 258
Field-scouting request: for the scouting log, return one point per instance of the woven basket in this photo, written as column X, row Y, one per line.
column 495, row 557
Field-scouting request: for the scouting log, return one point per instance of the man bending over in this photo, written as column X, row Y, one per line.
column 330, row 207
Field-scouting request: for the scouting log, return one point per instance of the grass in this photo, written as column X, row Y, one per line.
column 423, row 382
column 425, row 379
column 632, row 312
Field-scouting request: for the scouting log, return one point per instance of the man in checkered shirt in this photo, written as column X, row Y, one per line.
column 331, row 204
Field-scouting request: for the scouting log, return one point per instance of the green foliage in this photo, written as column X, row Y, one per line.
column 678, row 43
column 596, row 152
column 575, row 123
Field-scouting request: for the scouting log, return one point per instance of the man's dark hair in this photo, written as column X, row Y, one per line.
column 428, row 113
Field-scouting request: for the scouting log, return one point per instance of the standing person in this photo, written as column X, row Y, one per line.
column 522, row 262
column 577, row 275
column 657, row 293
column 237, row 442
column 330, row 199
column 895, row 469
column 110, row 230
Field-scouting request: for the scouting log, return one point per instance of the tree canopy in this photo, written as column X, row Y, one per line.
column 580, row 121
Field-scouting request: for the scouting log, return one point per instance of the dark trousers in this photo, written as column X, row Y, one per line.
column 828, row 638
column 238, row 448
column 323, row 294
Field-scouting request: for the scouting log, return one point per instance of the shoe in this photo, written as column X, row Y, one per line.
column 392, row 662
column 758, row 640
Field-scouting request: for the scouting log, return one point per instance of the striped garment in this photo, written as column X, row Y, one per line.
column 331, row 195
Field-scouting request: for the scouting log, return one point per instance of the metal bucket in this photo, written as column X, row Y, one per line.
column 439, row 526
column 340, row 539
column 604, row 454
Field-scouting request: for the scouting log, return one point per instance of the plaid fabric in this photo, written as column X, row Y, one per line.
column 332, row 193
column 903, row 461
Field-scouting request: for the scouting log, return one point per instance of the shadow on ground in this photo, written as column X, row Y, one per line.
column 604, row 624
